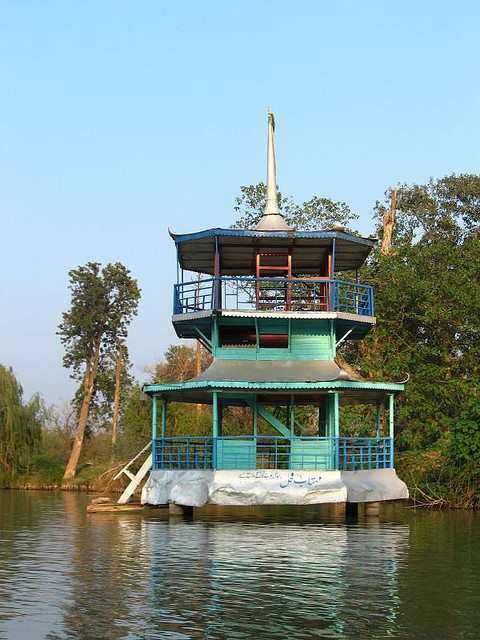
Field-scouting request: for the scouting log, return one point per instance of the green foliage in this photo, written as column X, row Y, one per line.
column 20, row 426
column 44, row 470
column 427, row 296
column 103, row 304
column 447, row 209
column 464, row 440
column 185, row 419
column 179, row 364
column 93, row 332
column 314, row 214
column 136, row 420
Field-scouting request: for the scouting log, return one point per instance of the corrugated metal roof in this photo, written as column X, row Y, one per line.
column 189, row 387
column 270, row 393
column 185, row 324
column 308, row 248
column 273, row 371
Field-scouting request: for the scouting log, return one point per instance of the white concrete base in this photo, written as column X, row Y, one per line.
column 270, row 486
column 374, row 486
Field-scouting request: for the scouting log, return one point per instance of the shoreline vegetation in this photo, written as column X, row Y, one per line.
column 424, row 493
column 93, row 478
column 425, row 273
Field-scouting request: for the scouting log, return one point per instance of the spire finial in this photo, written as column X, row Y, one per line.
column 272, row 219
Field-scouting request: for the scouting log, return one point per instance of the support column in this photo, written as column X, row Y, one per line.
column 336, row 426
column 336, row 414
column 255, row 416
column 154, row 433
column 391, row 426
column 154, row 418
column 215, row 415
column 372, row 509
column 215, row 340
column 180, row 510
column 351, row 510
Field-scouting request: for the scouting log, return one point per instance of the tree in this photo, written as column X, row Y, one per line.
column 427, row 299
column 20, row 426
column 180, row 363
column 136, row 417
column 314, row 214
column 427, row 296
column 103, row 304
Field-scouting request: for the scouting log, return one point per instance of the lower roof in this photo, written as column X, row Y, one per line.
column 270, row 379
column 273, row 371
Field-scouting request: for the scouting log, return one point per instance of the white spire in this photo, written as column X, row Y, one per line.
column 272, row 219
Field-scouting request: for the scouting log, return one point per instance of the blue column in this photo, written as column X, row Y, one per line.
column 154, row 418
column 379, row 420
column 214, row 428
column 336, row 427
column 336, row 413
column 154, row 432
column 390, row 426
column 332, row 281
column 215, row 414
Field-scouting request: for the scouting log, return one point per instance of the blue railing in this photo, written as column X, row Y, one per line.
column 365, row 453
column 273, row 294
column 273, row 452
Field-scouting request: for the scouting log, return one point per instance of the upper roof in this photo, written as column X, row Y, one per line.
column 196, row 251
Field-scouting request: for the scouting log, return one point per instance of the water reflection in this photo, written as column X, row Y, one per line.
column 233, row 573
column 242, row 580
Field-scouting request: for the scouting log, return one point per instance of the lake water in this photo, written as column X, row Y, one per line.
column 270, row 572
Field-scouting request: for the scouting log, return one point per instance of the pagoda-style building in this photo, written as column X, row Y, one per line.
column 268, row 305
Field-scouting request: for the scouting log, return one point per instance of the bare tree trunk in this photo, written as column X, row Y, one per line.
column 88, row 385
column 388, row 222
column 116, row 400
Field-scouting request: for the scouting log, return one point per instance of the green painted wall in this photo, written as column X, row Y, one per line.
column 309, row 340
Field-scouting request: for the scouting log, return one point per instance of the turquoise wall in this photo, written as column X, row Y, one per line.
column 307, row 340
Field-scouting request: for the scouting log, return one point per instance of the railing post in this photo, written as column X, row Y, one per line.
column 175, row 299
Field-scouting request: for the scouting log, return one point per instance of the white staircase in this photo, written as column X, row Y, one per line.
column 136, row 479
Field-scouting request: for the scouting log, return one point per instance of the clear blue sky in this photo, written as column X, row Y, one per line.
column 119, row 119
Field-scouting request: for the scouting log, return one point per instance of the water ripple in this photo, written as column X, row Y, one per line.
column 252, row 573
